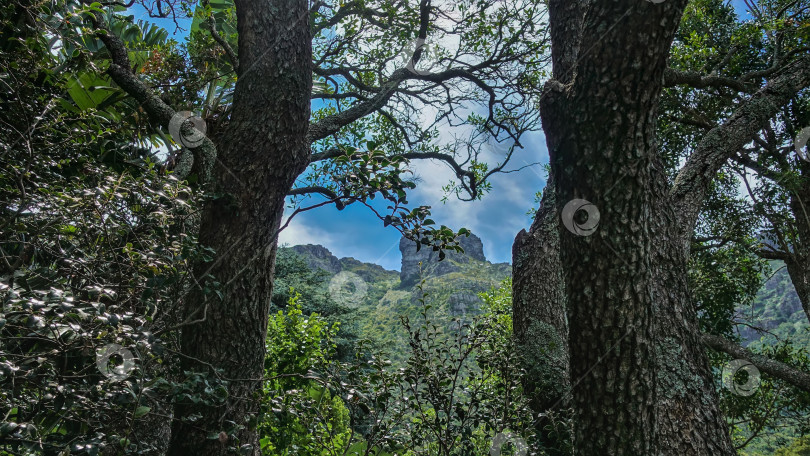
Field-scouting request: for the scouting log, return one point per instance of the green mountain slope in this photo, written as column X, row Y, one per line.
column 381, row 297
column 451, row 287
column 776, row 314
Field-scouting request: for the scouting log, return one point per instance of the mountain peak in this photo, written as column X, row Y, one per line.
column 410, row 272
column 318, row 257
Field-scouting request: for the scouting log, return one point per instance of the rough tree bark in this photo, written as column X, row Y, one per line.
column 262, row 152
column 600, row 129
column 686, row 425
column 597, row 148
column 539, row 320
column 687, row 418
column 798, row 260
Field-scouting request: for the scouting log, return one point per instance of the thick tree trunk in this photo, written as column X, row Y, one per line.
column 600, row 131
column 687, row 425
column 261, row 154
column 607, row 276
column 689, row 420
column 592, row 144
column 606, row 60
column 539, row 321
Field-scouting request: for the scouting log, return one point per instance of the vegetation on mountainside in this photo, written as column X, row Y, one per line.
column 777, row 413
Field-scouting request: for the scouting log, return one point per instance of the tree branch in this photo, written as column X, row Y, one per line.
column 319, row 190
column 332, row 124
column 212, row 27
column 771, row 367
column 696, row 80
column 761, row 170
column 722, row 142
column 120, row 70
column 773, row 255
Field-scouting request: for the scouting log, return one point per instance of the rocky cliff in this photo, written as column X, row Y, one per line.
column 416, row 264
column 318, row 257
column 450, row 286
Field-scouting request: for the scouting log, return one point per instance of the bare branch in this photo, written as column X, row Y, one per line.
column 212, row 27
column 771, row 367
column 120, row 70
column 696, row 80
column 319, row 190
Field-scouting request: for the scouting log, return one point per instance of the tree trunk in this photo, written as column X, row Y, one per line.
column 600, row 130
column 687, row 425
column 689, row 420
column 799, row 270
column 262, row 152
column 539, row 322
column 608, row 294
column 798, row 264
column 606, row 62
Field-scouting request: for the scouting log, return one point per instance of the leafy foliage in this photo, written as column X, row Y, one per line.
column 96, row 249
column 455, row 392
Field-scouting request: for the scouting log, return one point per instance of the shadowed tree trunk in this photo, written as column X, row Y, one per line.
column 266, row 142
column 598, row 114
column 539, row 320
column 261, row 153
column 600, row 130
column 689, row 420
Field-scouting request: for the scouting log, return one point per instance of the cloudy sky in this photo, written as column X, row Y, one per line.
column 497, row 218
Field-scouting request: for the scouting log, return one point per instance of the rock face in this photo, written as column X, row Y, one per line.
column 460, row 303
column 410, row 272
column 318, row 257
column 451, row 289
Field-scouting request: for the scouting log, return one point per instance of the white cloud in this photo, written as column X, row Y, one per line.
column 298, row 233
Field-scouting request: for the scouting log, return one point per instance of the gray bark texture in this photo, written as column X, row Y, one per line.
column 686, row 425
column 632, row 323
column 600, row 127
column 798, row 260
column 261, row 153
column 539, row 321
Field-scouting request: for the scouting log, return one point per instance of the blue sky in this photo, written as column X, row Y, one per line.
column 357, row 232
column 497, row 218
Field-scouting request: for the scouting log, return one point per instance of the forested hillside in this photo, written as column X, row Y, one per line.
column 451, row 286
column 454, row 285
column 776, row 313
